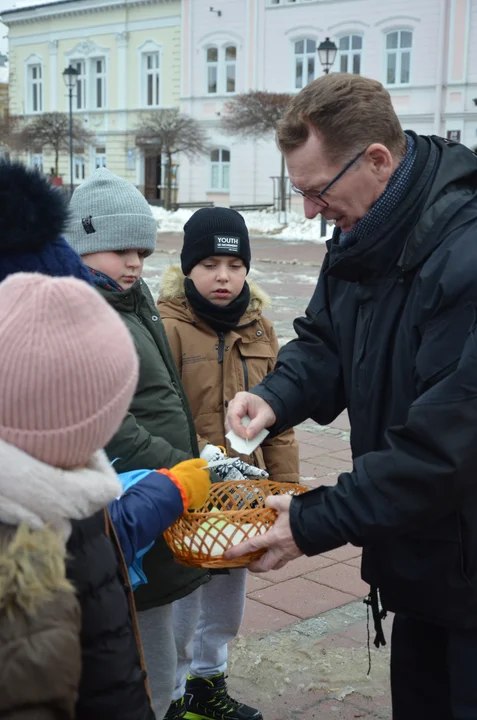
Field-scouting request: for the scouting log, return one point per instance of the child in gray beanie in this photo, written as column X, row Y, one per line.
column 113, row 229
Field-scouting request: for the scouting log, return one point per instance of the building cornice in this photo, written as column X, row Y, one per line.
column 70, row 8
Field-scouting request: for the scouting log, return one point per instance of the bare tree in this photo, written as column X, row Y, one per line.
column 9, row 132
column 52, row 130
column 255, row 115
column 170, row 132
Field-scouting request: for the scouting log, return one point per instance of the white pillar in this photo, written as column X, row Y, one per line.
column 54, row 77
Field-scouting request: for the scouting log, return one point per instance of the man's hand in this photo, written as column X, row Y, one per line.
column 278, row 541
column 260, row 413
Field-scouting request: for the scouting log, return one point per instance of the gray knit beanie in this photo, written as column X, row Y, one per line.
column 108, row 213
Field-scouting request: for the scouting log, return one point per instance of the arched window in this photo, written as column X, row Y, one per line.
column 350, row 48
column 212, row 55
column 34, row 85
column 398, row 57
column 221, row 69
column 305, row 62
column 152, row 78
column 230, row 67
column 220, row 169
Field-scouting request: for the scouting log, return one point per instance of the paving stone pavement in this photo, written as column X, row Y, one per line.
column 318, row 599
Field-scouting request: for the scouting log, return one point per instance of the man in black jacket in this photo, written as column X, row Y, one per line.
column 390, row 334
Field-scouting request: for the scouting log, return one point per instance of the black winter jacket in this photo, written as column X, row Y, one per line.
column 390, row 335
column 112, row 682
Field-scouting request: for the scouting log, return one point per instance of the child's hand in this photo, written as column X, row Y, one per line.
column 193, row 480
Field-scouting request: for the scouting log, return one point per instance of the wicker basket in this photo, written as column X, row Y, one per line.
column 235, row 511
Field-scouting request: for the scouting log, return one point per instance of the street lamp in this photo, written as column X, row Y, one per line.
column 327, row 53
column 70, row 76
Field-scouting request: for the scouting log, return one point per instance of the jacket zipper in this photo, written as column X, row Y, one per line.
column 221, row 346
column 245, row 373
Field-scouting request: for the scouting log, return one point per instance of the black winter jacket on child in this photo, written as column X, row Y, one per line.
column 112, row 681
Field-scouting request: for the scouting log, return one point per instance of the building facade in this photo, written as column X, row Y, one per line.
column 127, row 54
column 423, row 51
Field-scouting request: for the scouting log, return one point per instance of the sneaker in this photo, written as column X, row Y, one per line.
column 208, row 699
column 176, row 710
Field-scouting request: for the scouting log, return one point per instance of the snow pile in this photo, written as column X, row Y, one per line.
column 259, row 222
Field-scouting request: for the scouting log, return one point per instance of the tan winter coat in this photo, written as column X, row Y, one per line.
column 249, row 353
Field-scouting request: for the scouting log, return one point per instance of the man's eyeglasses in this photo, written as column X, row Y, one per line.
column 317, row 198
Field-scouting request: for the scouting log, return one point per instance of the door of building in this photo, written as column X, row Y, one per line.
column 152, row 179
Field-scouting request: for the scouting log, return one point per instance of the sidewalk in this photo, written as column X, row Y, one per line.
column 302, row 650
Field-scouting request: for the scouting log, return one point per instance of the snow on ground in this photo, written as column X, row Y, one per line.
column 259, row 222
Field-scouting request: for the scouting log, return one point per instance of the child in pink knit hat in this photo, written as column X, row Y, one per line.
column 68, row 371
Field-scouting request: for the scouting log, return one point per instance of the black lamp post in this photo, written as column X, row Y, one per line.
column 70, row 76
column 327, row 53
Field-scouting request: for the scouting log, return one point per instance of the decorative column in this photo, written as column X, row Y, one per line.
column 122, row 39
column 53, row 83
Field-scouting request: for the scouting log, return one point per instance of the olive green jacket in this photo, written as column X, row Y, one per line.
column 157, row 432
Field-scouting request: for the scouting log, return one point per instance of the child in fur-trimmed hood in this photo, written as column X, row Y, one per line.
column 68, row 370
column 222, row 343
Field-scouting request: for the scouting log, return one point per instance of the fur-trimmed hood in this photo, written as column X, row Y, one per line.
column 32, row 568
column 172, row 289
column 37, row 494
column 215, row 366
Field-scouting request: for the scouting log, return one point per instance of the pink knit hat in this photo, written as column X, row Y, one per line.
column 68, row 368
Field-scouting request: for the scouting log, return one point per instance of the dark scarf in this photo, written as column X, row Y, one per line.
column 385, row 205
column 102, row 280
column 220, row 319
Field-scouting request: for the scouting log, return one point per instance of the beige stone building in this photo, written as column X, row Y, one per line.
column 127, row 54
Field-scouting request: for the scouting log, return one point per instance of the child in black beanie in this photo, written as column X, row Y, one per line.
column 222, row 344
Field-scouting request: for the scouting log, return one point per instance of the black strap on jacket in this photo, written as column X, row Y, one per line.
column 372, row 601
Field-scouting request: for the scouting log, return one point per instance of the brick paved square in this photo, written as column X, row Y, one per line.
column 341, row 577
column 344, row 553
column 260, row 618
column 297, row 567
column 301, row 597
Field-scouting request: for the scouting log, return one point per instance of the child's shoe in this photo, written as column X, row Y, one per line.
column 176, row 710
column 208, row 699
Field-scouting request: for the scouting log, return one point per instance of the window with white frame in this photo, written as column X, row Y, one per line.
column 221, row 69
column 100, row 157
column 151, row 75
column 220, row 169
column 398, row 57
column 212, row 61
column 81, row 86
column 304, row 61
column 37, row 161
column 98, row 83
column 230, row 67
column 35, row 88
column 350, row 48
column 79, row 167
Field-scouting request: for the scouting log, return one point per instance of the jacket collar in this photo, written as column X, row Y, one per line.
column 127, row 300
column 172, row 295
column 440, row 167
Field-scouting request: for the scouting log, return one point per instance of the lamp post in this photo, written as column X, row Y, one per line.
column 327, row 53
column 70, row 76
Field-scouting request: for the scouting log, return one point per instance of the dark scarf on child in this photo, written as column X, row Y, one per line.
column 102, row 280
column 221, row 319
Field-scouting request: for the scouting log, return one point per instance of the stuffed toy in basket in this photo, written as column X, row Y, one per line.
column 235, row 511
